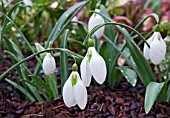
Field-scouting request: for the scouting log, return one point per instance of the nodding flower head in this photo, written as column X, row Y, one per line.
column 74, row 91
column 49, row 65
column 95, row 20
column 93, row 65
column 156, row 52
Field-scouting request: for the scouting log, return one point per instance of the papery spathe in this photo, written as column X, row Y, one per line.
column 156, row 52
column 93, row 65
column 95, row 20
column 74, row 94
column 49, row 65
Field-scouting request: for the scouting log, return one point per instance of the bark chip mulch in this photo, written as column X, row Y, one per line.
column 124, row 101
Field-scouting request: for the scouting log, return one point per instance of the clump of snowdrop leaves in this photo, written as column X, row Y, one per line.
column 156, row 52
column 92, row 65
column 95, row 20
column 74, row 91
column 49, row 65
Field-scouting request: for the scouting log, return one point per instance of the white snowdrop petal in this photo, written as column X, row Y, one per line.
column 98, row 67
column 157, row 51
column 80, row 94
column 68, row 93
column 28, row 2
column 85, row 72
column 49, row 65
column 146, row 50
column 95, row 20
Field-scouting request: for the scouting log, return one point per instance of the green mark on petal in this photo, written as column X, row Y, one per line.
column 74, row 80
column 89, row 56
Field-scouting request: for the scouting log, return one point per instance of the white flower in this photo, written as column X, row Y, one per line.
column 28, row 2
column 95, row 20
column 49, row 65
column 74, row 19
column 93, row 65
column 156, row 52
column 74, row 91
column 54, row 5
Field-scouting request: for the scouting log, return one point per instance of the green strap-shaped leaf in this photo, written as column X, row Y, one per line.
column 23, row 90
column 52, row 84
column 43, row 85
column 31, row 87
column 61, row 24
column 152, row 91
column 129, row 74
column 64, row 59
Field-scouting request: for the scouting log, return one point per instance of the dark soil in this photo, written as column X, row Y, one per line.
column 123, row 101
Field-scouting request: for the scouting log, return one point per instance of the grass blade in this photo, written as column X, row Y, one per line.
column 23, row 90
column 64, row 59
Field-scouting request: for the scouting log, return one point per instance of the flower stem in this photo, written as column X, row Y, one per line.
column 159, row 73
column 35, row 54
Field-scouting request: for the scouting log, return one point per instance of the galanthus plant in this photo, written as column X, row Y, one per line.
column 49, row 68
column 74, row 91
column 49, row 65
column 95, row 20
column 156, row 52
column 93, row 65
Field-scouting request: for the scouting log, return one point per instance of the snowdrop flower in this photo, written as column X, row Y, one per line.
column 54, row 5
column 74, row 19
column 93, row 65
column 49, row 65
column 28, row 2
column 156, row 52
column 95, row 20
column 4, row 2
column 74, row 91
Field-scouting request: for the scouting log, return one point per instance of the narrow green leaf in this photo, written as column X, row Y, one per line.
column 61, row 24
column 155, row 16
column 23, row 90
column 6, row 21
column 52, row 84
column 70, row 53
column 64, row 59
column 30, row 86
column 44, row 85
column 152, row 91
column 168, row 94
column 129, row 74
column 97, row 44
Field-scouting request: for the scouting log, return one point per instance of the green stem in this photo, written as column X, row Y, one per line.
column 53, row 84
column 159, row 73
column 142, row 21
column 113, row 23
column 168, row 71
column 35, row 54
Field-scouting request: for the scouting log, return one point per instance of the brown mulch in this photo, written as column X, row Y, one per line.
column 123, row 101
column 103, row 102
